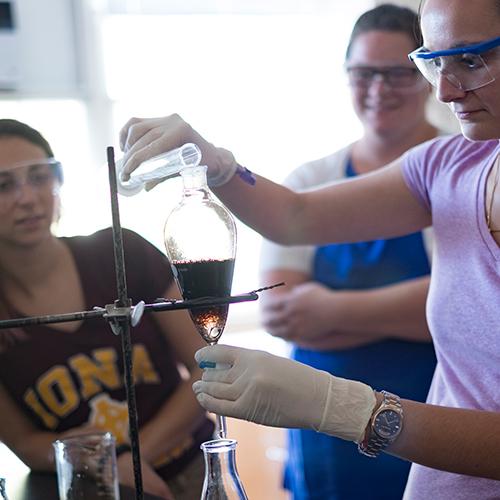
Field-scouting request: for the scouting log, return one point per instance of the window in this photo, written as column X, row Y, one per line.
column 6, row 17
column 268, row 87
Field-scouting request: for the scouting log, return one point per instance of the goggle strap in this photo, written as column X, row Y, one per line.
column 477, row 48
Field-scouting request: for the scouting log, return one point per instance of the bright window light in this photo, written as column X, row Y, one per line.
column 268, row 87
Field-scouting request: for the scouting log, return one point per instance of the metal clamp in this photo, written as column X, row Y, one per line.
column 114, row 314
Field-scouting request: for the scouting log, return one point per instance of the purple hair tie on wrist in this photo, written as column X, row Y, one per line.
column 123, row 448
column 245, row 175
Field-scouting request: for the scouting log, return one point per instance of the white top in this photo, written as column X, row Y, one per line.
column 311, row 175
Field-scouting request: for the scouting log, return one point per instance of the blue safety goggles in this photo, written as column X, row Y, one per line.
column 464, row 67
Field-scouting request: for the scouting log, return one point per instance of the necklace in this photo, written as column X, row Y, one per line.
column 490, row 206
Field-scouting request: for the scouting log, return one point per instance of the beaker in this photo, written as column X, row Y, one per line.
column 159, row 167
column 222, row 481
column 3, row 491
column 86, row 467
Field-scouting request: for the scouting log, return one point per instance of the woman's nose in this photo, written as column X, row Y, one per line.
column 448, row 91
column 378, row 84
column 25, row 192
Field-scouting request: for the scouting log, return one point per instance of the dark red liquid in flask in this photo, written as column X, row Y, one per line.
column 206, row 278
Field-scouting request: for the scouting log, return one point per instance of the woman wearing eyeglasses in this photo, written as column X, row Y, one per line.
column 450, row 183
column 357, row 310
column 67, row 378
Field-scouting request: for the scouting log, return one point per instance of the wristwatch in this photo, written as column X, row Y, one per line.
column 384, row 427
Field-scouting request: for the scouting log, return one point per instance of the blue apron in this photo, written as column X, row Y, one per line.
column 321, row 467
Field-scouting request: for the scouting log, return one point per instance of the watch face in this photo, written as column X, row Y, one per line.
column 387, row 424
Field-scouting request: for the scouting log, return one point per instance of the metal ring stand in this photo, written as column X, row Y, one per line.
column 122, row 314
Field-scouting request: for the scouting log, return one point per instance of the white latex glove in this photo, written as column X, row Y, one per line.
column 144, row 138
column 279, row 392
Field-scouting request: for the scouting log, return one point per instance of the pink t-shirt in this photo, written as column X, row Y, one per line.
column 448, row 176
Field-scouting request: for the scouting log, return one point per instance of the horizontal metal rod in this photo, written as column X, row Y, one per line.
column 99, row 312
column 200, row 302
column 52, row 318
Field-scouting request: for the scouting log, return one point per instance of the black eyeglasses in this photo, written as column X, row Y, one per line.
column 395, row 76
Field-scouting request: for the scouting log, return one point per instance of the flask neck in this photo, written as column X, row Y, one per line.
column 221, row 477
column 194, row 179
column 221, row 462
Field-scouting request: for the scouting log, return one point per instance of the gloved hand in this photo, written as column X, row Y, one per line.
column 144, row 138
column 279, row 392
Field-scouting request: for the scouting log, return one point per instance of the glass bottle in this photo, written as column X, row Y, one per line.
column 200, row 239
column 222, row 481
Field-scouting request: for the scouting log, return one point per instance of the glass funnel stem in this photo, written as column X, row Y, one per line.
column 221, row 426
column 220, row 419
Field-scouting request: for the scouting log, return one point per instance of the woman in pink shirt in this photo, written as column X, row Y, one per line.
column 449, row 183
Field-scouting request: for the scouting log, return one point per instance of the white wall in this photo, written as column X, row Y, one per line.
column 45, row 47
column 285, row 81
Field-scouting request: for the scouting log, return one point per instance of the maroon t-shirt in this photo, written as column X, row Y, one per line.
column 62, row 380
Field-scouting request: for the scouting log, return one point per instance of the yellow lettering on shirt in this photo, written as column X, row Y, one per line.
column 110, row 415
column 143, row 367
column 58, row 391
column 33, row 402
column 55, row 394
column 94, row 373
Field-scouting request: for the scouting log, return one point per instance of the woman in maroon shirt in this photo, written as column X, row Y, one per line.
column 65, row 378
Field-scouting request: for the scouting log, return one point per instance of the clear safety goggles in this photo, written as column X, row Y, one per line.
column 467, row 68
column 39, row 175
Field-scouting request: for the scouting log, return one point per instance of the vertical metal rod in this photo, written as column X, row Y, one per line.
column 124, row 326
